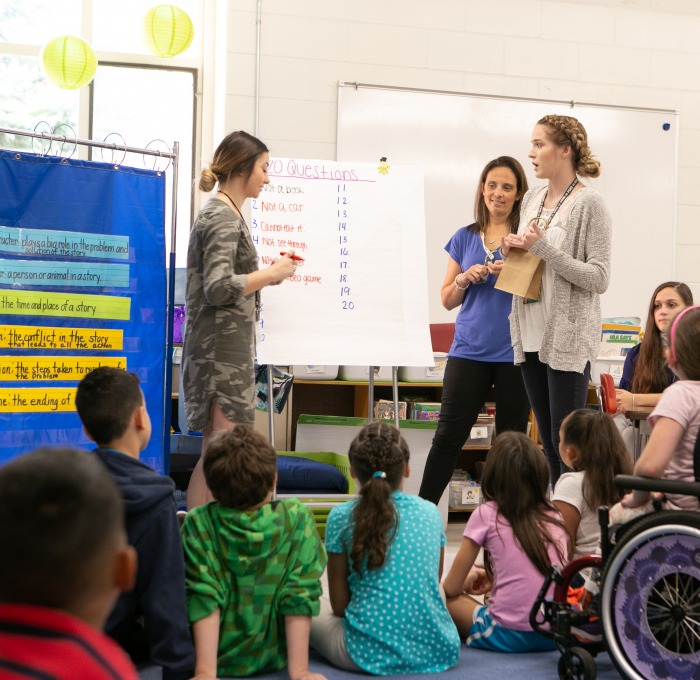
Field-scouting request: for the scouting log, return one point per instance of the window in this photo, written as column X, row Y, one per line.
column 134, row 94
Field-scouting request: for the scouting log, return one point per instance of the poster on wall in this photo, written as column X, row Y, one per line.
column 82, row 285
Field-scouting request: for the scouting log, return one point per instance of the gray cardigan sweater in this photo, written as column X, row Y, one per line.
column 582, row 272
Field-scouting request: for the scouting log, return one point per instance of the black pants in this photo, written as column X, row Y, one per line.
column 466, row 387
column 553, row 395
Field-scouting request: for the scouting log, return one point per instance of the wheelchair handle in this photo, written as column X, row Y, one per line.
column 655, row 484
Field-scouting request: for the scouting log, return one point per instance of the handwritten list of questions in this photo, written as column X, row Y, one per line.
column 360, row 295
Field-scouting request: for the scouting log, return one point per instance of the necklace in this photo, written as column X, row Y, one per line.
column 490, row 241
column 233, row 203
column 547, row 222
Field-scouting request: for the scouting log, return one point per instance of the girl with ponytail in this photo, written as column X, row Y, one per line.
column 386, row 614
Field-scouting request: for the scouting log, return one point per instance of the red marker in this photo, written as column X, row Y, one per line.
column 294, row 257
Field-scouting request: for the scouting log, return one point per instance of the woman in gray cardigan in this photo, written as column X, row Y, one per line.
column 568, row 225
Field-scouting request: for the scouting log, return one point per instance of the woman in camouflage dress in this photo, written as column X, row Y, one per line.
column 223, row 284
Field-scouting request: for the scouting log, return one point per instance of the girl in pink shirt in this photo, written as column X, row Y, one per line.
column 522, row 535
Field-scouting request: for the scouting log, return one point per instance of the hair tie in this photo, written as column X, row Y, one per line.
column 379, row 473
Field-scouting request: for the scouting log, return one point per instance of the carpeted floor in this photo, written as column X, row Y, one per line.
column 473, row 663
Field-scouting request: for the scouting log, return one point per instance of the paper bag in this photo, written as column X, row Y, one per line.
column 521, row 274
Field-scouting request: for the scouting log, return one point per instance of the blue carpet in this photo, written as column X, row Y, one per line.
column 473, row 663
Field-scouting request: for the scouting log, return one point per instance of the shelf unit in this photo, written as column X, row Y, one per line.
column 351, row 398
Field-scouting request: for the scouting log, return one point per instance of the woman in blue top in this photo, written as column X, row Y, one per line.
column 481, row 356
column 385, row 553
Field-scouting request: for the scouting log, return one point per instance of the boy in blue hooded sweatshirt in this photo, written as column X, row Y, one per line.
column 150, row 622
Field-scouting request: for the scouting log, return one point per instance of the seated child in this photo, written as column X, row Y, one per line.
column 150, row 622
column 64, row 559
column 253, row 565
column 675, row 423
column 592, row 446
column 385, row 553
column 522, row 535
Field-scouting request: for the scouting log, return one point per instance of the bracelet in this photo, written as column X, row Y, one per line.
column 633, row 401
column 461, row 287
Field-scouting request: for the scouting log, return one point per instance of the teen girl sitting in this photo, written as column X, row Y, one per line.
column 675, row 423
column 645, row 374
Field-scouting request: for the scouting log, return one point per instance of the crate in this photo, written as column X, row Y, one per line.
column 321, row 505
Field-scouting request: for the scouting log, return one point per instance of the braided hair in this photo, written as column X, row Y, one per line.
column 378, row 456
column 567, row 131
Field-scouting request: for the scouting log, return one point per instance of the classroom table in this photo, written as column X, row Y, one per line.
column 642, row 429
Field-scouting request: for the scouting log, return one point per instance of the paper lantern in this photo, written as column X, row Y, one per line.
column 167, row 30
column 68, row 62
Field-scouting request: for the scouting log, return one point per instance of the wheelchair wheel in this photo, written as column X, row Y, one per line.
column 577, row 665
column 650, row 598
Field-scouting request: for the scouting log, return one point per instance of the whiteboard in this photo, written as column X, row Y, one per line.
column 454, row 135
column 359, row 297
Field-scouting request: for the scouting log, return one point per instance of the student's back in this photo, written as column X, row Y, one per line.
column 522, row 535
column 396, row 621
column 253, row 565
column 591, row 445
column 385, row 551
column 256, row 566
column 150, row 622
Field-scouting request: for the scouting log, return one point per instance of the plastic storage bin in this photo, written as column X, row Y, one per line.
column 435, row 373
column 361, row 373
column 315, row 372
column 612, row 365
column 464, row 494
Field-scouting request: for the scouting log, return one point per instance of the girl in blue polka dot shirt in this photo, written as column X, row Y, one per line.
column 385, row 554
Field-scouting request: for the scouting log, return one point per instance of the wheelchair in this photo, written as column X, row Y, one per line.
column 641, row 601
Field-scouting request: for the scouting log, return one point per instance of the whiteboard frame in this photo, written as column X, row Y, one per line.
column 638, row 263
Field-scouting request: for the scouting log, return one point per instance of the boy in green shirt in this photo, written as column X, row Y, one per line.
column 252, row 565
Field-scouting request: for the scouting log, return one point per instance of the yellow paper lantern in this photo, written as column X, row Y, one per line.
column 167, row 30
column 68, row 62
